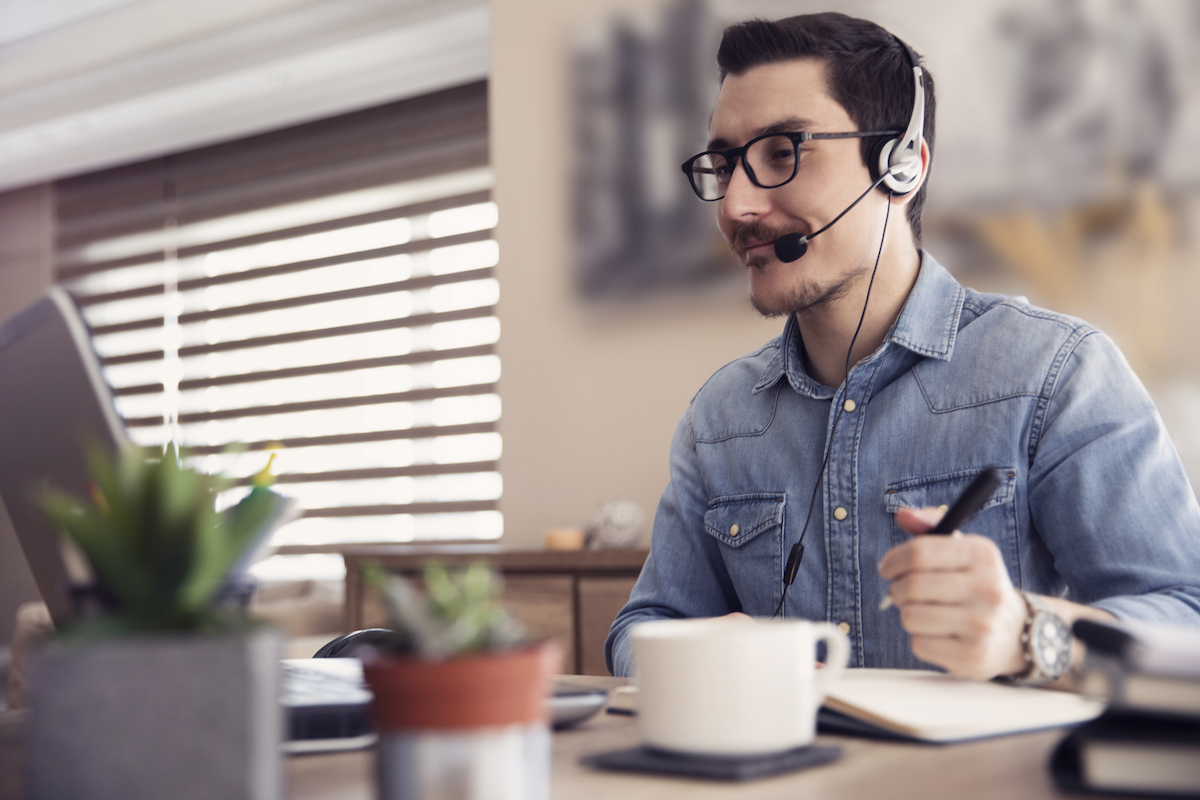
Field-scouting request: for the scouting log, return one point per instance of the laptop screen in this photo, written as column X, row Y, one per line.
column 54, row 404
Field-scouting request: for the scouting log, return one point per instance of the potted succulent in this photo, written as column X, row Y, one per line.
column 460, row 695
column 163, row 688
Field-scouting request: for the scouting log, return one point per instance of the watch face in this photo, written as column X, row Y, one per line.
column 1050, row 644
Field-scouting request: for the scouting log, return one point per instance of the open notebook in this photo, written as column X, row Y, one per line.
column 932, row 707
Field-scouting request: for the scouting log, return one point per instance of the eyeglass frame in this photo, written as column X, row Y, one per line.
column 738, row 154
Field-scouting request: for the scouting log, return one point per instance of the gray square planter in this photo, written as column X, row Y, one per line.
column 176, row 717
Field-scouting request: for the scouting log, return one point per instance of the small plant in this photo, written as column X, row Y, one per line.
column 160, row 551
column 459, row 612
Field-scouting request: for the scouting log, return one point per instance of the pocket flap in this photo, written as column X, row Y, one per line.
column 736, row 519
column 944, row 489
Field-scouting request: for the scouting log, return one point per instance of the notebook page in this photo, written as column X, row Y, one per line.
column 937, row 707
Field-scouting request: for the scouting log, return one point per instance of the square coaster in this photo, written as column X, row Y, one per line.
column 727, row 768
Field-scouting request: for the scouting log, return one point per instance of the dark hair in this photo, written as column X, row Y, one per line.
column 866, row 71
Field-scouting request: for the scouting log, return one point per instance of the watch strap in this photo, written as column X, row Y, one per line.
column 1028, row 672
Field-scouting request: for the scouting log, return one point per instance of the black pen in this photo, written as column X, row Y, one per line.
column 966, row 506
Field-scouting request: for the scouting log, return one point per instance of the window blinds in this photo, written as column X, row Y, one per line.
column 325, row 292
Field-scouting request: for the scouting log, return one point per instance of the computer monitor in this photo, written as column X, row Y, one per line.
column 54, row 405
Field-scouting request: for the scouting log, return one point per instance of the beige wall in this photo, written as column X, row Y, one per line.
column 26, row 267
column 591, row 395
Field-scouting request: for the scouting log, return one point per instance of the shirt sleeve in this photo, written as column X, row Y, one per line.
column 1108, row 493
column 684, row 575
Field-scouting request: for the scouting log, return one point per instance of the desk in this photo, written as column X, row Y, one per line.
column 1006, row 768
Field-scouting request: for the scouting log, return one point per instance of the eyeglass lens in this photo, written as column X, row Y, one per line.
column 770, row 162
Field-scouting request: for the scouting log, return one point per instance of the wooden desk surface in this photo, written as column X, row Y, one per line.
column 1010, row 767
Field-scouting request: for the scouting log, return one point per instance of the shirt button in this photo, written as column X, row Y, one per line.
column 844, row 627
column 840, row 513
column 849, row 405
column 734, row 530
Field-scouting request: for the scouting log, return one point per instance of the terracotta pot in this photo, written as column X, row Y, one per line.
column 469, row 728
column 477, row 691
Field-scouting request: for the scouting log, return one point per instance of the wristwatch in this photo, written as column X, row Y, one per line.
column 1047, row 640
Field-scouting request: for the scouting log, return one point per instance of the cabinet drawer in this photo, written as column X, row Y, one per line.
column 599, row 601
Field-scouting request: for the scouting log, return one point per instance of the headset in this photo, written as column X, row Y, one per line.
column 895, row 167
column 894, row 164
column 897, row 162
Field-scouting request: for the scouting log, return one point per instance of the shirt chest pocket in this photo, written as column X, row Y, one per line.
column 996, row 519
column 737, row 520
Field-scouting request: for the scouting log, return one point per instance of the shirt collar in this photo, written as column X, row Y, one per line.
column 927, row 325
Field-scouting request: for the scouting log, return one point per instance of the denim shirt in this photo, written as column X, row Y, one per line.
column 1094, row 505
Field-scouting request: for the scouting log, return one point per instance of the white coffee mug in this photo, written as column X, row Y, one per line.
column 733, row 686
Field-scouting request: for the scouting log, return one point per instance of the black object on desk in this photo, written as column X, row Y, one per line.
column 726, row 768
column 1148, row 742
column 1130, row 754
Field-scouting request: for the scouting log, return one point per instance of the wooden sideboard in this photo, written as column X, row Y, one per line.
column 571, row 597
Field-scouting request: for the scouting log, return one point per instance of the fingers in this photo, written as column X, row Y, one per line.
column 942, row 553
column 932, row 587
column 957, row 603
column 961, row 658
column 929, row 619
column 969, row 641
column 918, row 520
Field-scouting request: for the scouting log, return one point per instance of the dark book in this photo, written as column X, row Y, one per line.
column 1144, row 668
column 1131, row 754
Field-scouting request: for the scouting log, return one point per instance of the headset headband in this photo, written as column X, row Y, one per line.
column 899, row 160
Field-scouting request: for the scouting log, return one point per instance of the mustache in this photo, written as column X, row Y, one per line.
column 759, row 232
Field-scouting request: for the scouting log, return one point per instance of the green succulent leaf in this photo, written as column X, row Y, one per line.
column 460, row 611
column 156, row 543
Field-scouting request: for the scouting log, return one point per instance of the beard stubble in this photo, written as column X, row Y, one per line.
column 805, row 296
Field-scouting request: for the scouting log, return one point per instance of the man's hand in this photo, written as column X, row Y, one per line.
column 955, row 599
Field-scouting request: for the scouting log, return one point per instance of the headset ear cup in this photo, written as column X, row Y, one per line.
column 896, row 185
column 878, row 157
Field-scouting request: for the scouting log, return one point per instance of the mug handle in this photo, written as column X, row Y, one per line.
column 837, row 655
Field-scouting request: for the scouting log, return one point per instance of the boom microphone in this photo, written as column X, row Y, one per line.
column 792, row 246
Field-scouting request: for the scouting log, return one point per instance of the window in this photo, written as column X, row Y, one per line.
column 327, row 290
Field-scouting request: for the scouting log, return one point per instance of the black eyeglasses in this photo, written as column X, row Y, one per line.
column 771, row 160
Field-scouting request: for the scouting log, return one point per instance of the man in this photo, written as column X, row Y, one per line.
column 1093, row 517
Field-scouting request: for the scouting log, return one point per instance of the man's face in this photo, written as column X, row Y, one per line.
column 791, row 96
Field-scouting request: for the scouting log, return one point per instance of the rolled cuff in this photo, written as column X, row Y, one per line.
column 1173, row 607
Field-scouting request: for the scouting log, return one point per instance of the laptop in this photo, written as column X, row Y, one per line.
column 54, row 403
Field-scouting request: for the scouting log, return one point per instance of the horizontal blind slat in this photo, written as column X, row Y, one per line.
column 192, row 284
column 450, row 507
column 375, row 290
column 422, row 357
column 72, row 271
column 414, row 471
column 413, row 321
column 415, row 395
column 348, row 438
